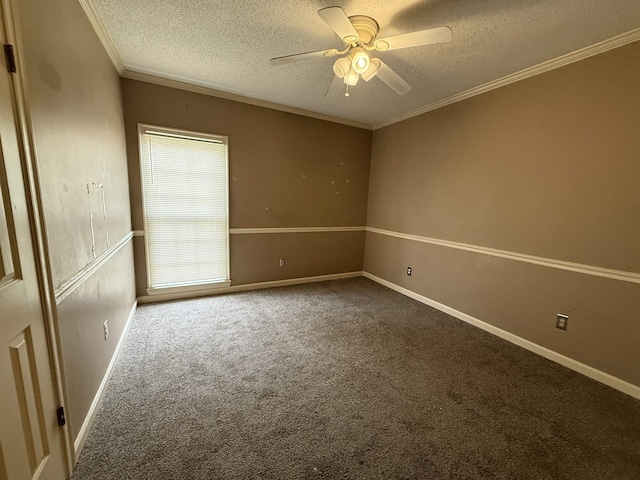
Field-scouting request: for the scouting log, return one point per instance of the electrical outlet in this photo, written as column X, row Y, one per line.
column 105, row 329
column 409, row 270
column 562, row 321
column 282, row 262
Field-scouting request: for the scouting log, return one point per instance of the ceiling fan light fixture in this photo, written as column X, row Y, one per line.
column 351, row 78
column 359, row 60
column 360, row 32
column 341, row 67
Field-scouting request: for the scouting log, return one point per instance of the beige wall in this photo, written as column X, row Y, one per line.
column 285, row 171
column 306, row 254
column 75, row 105
column 549, row 166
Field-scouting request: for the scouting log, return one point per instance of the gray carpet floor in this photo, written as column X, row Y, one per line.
column 346, row 380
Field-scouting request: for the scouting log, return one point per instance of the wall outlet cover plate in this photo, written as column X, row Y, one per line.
column 562, row 321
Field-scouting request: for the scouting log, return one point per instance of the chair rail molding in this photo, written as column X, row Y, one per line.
column 519, row 257
column 79, row 278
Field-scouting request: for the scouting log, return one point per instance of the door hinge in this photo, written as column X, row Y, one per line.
column 61, row 418
column 11, row 58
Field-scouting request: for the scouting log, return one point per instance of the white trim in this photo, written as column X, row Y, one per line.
column 561, row 61
column 33, row 191
column 158, row 78
column 188, row 288
column 248, row 286
column 243, row 231
column 155, row 130
column 107, row 43
column 249, row 231
column 97, row 399
column 593, row 373
column 631, row 277
column 79, row 278
column 147, row 129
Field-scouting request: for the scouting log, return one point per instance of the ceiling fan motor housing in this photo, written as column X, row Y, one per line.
column 366, row 27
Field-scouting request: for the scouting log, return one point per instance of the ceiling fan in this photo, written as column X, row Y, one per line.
column 359, row 33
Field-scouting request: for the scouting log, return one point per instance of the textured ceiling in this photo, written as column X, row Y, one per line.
column 227, row 44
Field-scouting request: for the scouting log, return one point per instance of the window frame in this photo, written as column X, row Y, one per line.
column 188, row 134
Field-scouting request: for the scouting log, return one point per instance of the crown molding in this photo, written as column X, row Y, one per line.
column 92, row 14
column 581, row 54
column 182, row 84
column 158, row 78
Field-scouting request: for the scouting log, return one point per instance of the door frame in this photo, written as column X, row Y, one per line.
column 24, row 127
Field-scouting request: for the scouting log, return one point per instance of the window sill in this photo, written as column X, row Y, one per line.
column 188, row 288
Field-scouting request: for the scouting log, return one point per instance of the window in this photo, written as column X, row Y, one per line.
column 186, row 214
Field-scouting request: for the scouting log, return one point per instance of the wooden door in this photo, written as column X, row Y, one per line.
column 31, row 442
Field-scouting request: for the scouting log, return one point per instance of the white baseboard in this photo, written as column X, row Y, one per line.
column 245, row 287
column 593, row 373
column 97, row 400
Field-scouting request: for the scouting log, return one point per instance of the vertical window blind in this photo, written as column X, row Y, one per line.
column 185, row 185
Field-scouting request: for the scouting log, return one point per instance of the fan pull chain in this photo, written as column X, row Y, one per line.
column 346, row 94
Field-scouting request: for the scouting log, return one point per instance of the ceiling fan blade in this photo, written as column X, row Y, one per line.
column 299, row 57
column 414, row 39
column 340, row 23
column 335, row 89
column 391, row 78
